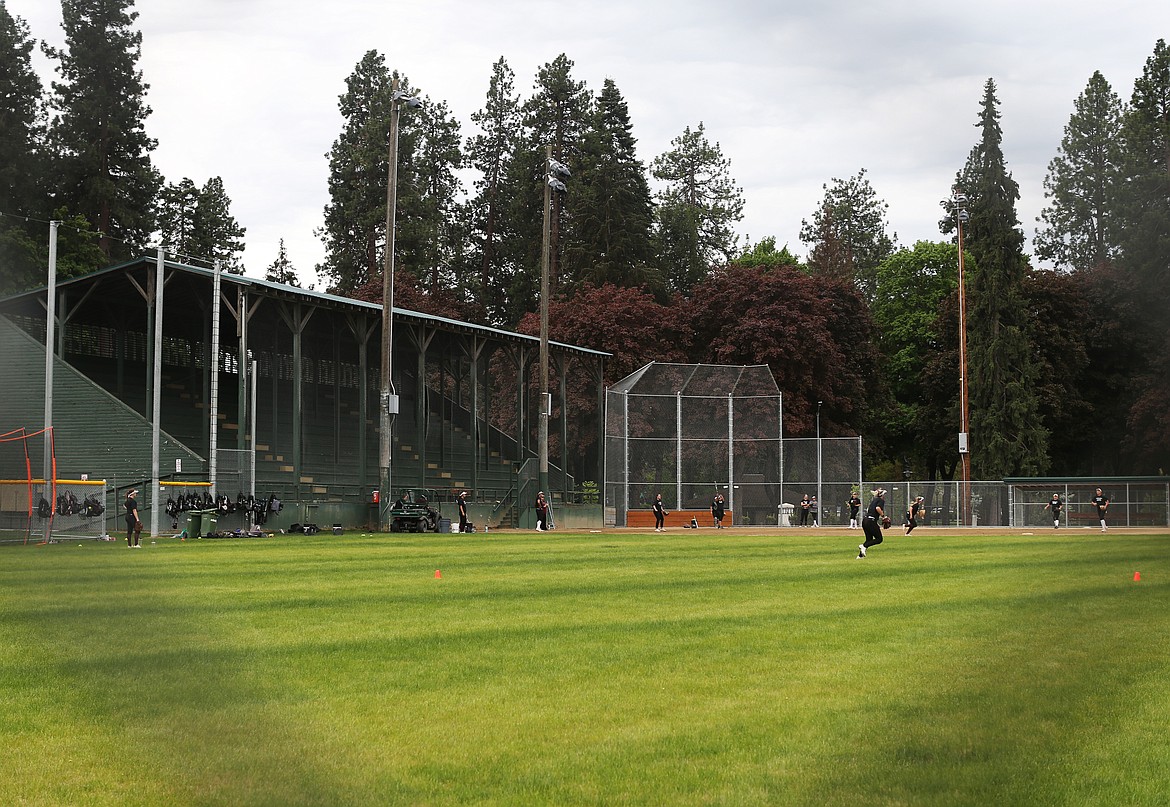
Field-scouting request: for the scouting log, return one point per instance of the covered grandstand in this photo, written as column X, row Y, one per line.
column 468, row 409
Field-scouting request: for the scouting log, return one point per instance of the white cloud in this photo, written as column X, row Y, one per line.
column 795, row 93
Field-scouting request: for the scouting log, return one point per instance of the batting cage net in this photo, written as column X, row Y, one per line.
column 689, row 432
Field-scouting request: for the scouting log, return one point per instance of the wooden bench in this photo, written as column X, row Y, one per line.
column 1117, row 519
column 676, row 518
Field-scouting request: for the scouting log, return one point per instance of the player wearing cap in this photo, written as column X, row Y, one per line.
column 871, row 525
column 1056, row 505
column 917, row 508
column 464, row 524
column 1101, row 502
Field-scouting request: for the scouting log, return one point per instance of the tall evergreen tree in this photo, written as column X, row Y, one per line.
column 197, row 224
column 1007, row 438
column 431, row 231
column 21, row 166
column 98, row 136
column 848, row 233
column 1146, row 200
column 176, row 217
column 216, row 235
column 554, row 115
column 490, row 152
column 696, row 210
column 281, row 270
column 610, row 204
column 1145, row 252
column 355, row 218
column 1078, row 228
column 21, row 120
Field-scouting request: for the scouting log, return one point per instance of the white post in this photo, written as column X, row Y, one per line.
column 213, row 392
column 678, row 451
column 156, row 417
column 731, row 457
column 252, row 425
column 50, row 326
column 780, row 504
column 626, row 458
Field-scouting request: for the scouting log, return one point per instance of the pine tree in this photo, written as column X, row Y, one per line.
column 354, row 231
column 1145, row 253
column 176, row 217
column 1145, row 201
column 848, row 233
column 21, row 120
column 1007, row 438
column 431, row 231
column 281, row 270
column 98, row 138
column 1082, row 181
column 490, row 153
column 610, row 205
column 554, row 115
column 196, row 224
column 21, row 165
column 696, row 211
column 216, row 236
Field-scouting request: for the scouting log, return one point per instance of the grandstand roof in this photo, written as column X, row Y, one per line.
column 281, row 291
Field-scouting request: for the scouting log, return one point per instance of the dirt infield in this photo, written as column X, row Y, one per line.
column 893, row 532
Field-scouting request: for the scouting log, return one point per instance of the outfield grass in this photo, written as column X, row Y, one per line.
column 565, row 668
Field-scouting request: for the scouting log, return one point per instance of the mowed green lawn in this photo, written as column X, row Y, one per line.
column 704, row 667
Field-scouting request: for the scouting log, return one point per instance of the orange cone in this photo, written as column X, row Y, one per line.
column 1137, row 577
column 438, row 575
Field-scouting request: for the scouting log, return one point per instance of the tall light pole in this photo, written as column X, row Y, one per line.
column 388, row 405
column 556, row 172
column 959, row 206
column 820, row 501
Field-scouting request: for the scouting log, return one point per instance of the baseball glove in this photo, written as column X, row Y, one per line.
column 886, row 522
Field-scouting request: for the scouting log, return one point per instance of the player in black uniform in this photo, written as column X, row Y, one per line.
column 872, row 523
column 854, row 506
column 659, row 513
column 1101, row 502
column 1056, row 505
column 718, row 506
column 464, row 523
column 917, row 508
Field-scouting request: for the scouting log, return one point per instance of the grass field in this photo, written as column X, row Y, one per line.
column 633, row 668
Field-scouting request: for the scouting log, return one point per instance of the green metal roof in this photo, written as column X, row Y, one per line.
column 316, row 297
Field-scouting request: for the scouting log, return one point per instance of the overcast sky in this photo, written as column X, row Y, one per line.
column 795, row 93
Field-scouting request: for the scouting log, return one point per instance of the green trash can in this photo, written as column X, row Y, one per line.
column 198, row 520
column 194, row 523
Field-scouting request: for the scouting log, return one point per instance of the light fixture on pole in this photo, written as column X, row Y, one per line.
column 820, row 500
column 388, row 403
column 959, row 209
column 557, row 172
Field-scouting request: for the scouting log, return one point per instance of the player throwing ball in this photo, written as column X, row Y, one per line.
column 875, row 519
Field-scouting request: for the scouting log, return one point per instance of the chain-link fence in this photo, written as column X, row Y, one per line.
column 689, row 432
column 33, row 512
column 1132, row 503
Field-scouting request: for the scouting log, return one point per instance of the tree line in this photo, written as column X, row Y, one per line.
column 1068, row 368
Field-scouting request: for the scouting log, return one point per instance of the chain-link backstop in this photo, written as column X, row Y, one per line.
column 689, row 431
